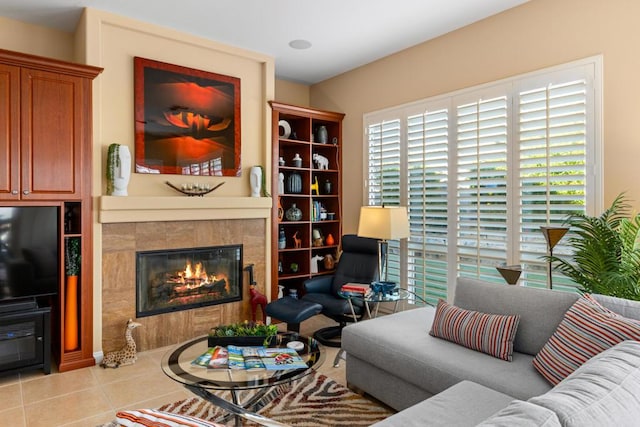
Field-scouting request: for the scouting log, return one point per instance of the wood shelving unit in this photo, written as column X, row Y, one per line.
column 302, row 141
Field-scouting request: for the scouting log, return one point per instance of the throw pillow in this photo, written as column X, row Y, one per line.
column 155, row 418
column 587, row 329
column 492, row 334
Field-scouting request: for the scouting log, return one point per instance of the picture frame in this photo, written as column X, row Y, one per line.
column 187, row 121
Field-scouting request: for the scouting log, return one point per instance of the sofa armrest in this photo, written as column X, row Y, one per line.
column 318, row 285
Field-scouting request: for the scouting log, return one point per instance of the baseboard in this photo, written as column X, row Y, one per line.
column 98, row 356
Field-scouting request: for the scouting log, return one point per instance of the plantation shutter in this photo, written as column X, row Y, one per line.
column 383, row 157
column 427, row 180
column 482, row 169
column 481, row 190
column 552, row 134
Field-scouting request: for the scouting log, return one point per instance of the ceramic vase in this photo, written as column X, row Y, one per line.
column 71, row 314
column 294, row 183
column 294, row 213
column 121, row 171
column 322, row 135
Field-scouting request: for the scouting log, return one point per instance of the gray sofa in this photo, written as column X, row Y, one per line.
column 435, row 382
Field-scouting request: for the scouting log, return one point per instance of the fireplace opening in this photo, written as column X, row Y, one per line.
column 181, row 279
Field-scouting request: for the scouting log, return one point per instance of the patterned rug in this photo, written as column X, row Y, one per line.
column 314, row 400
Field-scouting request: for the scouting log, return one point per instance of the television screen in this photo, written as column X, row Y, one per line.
column 29, row 251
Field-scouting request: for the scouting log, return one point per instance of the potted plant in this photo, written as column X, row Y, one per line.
column 72, row 259
column 242, row 333
column 606, row 257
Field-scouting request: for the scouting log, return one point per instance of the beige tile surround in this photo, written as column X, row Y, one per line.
column 120, row 241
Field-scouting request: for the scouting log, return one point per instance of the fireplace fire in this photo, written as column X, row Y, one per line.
column 181, row 279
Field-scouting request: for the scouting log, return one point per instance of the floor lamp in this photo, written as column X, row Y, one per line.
column 552, row 235
column 383, row 223
column 510, row 273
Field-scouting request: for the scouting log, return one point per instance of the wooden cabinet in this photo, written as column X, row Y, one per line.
column 44, row 123
column 313, row 185
column 46, row 156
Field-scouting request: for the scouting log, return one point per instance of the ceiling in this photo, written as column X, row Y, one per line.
column 344, row 34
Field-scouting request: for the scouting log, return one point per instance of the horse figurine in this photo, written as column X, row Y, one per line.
column 297, row 242
column 126, row 355
column 257, row 299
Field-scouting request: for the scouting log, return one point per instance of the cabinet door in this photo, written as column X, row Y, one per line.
column 9, row 132
column 52, row 129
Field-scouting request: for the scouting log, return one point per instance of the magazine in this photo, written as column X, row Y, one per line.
column 252, row 358
column 215, row 357
column 236, row 360
column 281, row 358
column 204, row 358
column 219, row 358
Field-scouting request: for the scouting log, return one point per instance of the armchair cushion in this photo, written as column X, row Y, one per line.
column 318, row 285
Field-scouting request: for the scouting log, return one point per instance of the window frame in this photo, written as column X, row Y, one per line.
column 589, row 68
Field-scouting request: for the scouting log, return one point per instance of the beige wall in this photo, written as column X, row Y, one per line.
column 36, row 40
column 292, row 93
column 538, row 34
column 111, row 42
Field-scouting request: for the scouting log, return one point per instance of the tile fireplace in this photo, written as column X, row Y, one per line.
column 182, row 279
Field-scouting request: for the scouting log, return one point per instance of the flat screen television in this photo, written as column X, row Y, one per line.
column 29, row 251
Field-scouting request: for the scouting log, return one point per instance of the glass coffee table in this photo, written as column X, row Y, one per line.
column 176, row 364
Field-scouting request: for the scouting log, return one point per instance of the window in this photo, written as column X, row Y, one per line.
column 481, row 170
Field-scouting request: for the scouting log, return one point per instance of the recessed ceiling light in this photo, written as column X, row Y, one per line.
column 300, row 44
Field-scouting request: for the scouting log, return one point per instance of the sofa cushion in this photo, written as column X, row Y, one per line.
column 464, row 404
column 400, row 344
column 522, row 414
column 489, row 333
column 540, row 310
column 587, row 329
column 153, row 417
column 605, row 391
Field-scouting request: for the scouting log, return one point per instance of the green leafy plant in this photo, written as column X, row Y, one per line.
column 606, row 257
column 113, row 161
column 72, row 257
column 244, row 329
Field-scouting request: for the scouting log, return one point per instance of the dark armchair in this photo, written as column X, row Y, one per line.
column 358, row 264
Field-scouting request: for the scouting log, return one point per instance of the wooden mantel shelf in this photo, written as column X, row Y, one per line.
column 115, row 209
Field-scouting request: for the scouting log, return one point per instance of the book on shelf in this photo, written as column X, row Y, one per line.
column 281, row 358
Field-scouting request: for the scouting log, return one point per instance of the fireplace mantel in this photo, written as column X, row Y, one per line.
column 115, row 209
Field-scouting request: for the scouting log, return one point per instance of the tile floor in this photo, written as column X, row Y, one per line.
column 91, row 396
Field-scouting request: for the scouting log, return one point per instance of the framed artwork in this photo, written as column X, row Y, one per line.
column 187, row 121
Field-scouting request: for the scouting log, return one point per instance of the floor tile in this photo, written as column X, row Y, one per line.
column 66, row 408
column 50, row 386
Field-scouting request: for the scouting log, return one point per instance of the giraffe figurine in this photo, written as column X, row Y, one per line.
column 127, row 354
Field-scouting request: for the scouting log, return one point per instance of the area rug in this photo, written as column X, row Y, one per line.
column 314, row 400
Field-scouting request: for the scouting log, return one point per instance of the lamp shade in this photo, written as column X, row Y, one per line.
column 383, row 222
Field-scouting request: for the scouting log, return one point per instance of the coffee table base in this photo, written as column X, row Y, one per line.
column 234, row 408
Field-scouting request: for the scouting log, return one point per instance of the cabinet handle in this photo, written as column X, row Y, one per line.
column 14, row 192
column 25, row 192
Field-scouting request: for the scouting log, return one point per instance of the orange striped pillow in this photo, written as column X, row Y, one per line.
column 587, row 329
column 492, row 334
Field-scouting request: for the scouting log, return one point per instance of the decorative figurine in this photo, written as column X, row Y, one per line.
column 321, row 161
column 127, row 355
column 297, row 242
column 314, row 263
column 257, row 299
column 329, row 262
column 314, row 187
